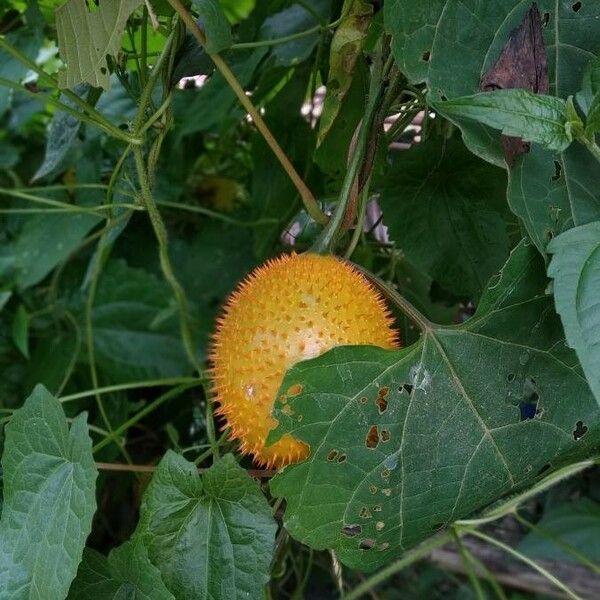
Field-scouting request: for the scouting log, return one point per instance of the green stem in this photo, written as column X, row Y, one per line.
column 308, row 199
column 173, row 393
column 360, row 222
column 582, row 558
column 216, row 215
column 326, row 240
column 96, row 117
column 405, row 306
column 211, row 450
column 160, row 231
column 210, row 430
column 280, row 40
column 528, row 561
column 82, row 116
column 134, row 385
column 144, row 49
column 407, row 559
column 468, row 564
column 591, row 146
column 513, row 503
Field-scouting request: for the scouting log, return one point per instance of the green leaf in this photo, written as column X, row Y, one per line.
column 44, row 241
column 405, row 442
column 517, row 113
column 20, row 330
column 136, row 335
column 210, row 537
column 346, row 47
column 574, row 523
column 445, row 210
column 62, row 132
column 215, row 24
column 126, row 573
column 49, row 499
column 86, row 38
column 575, row 268
column 295, row 19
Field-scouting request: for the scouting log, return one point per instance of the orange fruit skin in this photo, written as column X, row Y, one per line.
column 290, row 309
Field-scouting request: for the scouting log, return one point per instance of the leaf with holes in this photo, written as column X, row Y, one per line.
column 210, row 537
column 451, row 45
column 405, row 442
column 49, row 499
column 86, row 38
column 575, row 268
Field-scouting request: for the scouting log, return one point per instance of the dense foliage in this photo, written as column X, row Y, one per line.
column 153, row 152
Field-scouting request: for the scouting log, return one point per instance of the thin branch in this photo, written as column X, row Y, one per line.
column 308, row 199
column 120, row 467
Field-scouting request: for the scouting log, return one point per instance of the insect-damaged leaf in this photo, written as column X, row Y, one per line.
column 86, row 38
column 404, row 442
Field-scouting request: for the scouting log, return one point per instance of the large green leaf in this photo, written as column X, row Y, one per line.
column 135, row 329
column 575, row 268
column 126, row 573
column 451, row 44
column 49, row 499
column 444, row 209
column 404, row 442
column 86, row 38
column 210, row 537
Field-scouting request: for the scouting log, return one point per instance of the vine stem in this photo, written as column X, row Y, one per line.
column 424, row 324
column 528, row 561
column 511, row 505
column 89, row 113
column 327, row 239
column 134, row 385
column 591, row 146
column 160, row 231
column 104, row 466
column 312, row 206
column 407, row 559
column 149, row 408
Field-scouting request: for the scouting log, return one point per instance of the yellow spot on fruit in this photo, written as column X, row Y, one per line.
column 292, row 308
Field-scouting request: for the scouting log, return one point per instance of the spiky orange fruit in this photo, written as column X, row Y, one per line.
column 292, row 308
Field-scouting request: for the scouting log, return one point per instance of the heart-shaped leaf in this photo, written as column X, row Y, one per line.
column 210, row 537
column 405, row 442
